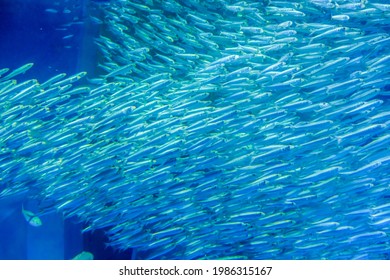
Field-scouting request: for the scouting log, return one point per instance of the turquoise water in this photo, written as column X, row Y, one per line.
column 195, row 130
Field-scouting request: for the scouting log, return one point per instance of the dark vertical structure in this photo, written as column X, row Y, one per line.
column 96, row 243
column 13, row 242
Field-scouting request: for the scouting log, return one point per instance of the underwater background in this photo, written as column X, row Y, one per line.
column 194, row 129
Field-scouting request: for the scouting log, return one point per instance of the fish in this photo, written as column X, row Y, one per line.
column 340, row 17
column 51, row 11
column 84, row 255
column 31, row 218
column 211, row 124
column 21, row 70
column 3, row 71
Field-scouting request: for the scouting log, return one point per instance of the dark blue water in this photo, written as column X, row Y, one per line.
column 60, row 42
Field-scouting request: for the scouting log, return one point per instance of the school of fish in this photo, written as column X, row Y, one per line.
column 216, row 129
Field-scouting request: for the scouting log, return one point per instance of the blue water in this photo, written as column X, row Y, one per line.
column 28, row 33
column 192, row 135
